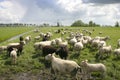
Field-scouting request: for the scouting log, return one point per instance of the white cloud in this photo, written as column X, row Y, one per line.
column 66, row 11
column 11, row 11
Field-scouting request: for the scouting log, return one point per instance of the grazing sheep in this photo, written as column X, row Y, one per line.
column 62, row 52
column 72, row 42
column 18, row 46
column 116, row 52
column 78, row 46
column 48, row 50
column 27, row 39
column 37, row 38
column 39, row 45
column 95, row 43
column 105, row 50
column 63, row 44
column 63, row 66
column 13, row 55
column 101, row 44
column 58, row 40
column 88, row 68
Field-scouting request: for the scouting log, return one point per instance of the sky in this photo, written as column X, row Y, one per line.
column 104, row 12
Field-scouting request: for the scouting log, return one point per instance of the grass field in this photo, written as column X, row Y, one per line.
column 31, row 61
column 8, row 32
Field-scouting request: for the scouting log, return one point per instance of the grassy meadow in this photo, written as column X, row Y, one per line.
column 8, row 32
column 32, row 63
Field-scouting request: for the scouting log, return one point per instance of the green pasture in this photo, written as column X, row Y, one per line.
column 8, row 32
column 32, row 61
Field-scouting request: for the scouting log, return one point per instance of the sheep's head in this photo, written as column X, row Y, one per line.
column 84, row 63
column 49, row 56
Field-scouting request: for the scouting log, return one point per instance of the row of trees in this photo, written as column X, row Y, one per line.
column 80, row 23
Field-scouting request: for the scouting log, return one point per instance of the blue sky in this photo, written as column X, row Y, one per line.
column 105, row 12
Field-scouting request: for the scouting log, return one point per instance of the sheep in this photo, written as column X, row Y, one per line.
column 95, row 43
column 3, row 48
column 101, row 44
column 88, row 68
column 48, row 50
column 13, row 55
column 116, row 52
column 39, row 45
column 62, row 52
column 72, row 42
column 105, row 50
column 63, row 66
column 27, row 39
column 63, row 44
column 58, row 40
column 78, row 46
column 37, row 38
column 19, row 47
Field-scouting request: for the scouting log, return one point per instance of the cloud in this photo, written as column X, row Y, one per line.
column 102, row 1
column 64, row 11
column 10, row 11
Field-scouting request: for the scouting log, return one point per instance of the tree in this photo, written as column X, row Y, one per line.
column 91, row 23
column 117, row 24
column 78, row 23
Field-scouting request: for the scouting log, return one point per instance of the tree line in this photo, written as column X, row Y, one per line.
column 80, row 23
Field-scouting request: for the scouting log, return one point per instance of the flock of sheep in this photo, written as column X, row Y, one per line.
column 75, row 41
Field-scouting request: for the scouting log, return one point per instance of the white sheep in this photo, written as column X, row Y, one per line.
column 63, row 66
column 101, row 44
column 72, row 41
column 27, row 39
column 78, row 46
column 37, row 38
column 39, row 45
column 13, row 55
column 95, row 43
column 88, row 68
column 116, row 52
column 105, row 50
column 65, row 44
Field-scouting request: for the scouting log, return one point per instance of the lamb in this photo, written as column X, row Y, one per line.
column 13, row 55
column 18, row 46
column 105, row 50
column 63, row 66
column 88, row 68
column 116, row 52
